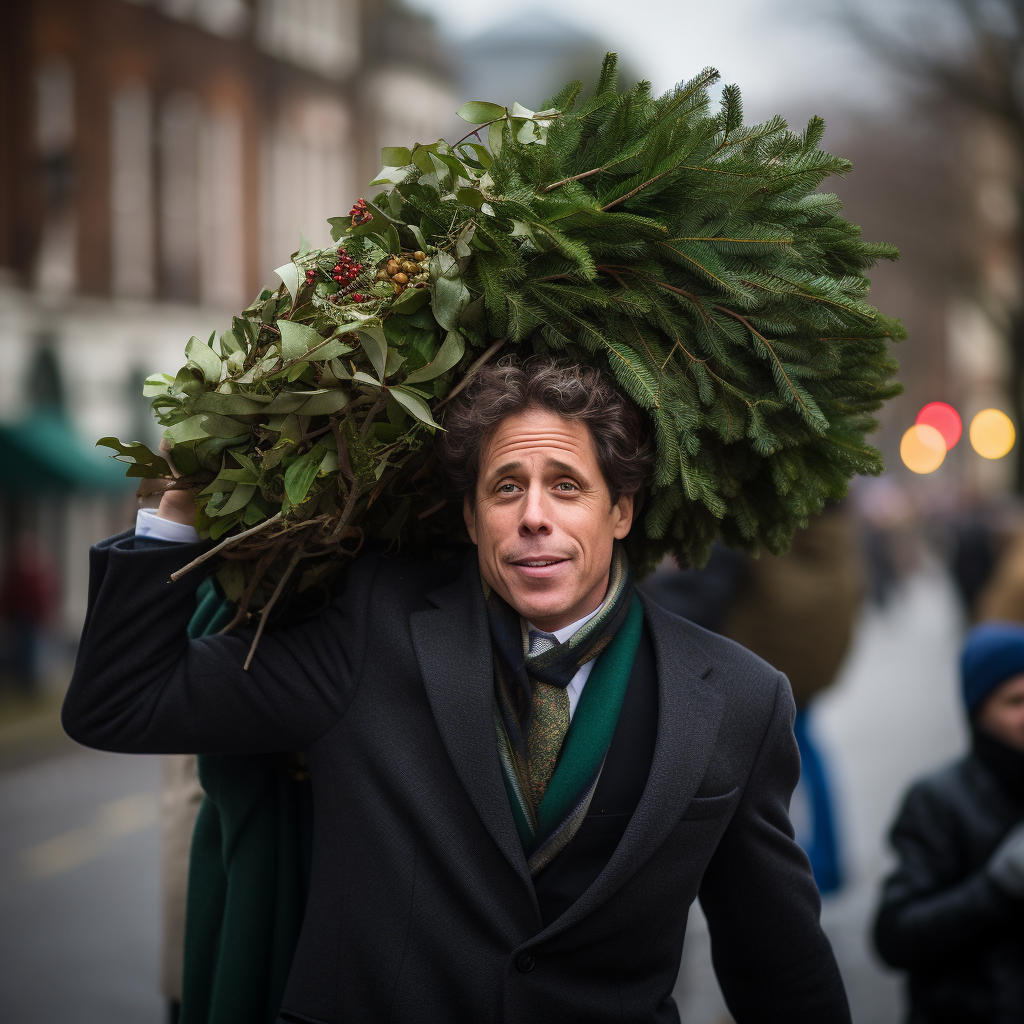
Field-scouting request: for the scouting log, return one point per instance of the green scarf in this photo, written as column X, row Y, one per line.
column 612, row 636
column 248, row 873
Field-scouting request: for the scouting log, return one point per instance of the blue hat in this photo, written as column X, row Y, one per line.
column 993, row 652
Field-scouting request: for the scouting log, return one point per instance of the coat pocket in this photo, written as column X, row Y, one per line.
column 710, row 806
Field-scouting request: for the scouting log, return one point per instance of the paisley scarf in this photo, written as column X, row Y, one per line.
column 548, row 829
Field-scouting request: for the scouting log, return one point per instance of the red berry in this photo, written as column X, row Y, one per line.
column 356, row 297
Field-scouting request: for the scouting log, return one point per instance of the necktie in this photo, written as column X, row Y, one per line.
column 549, row 725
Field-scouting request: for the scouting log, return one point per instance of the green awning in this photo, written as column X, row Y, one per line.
column 43, row 453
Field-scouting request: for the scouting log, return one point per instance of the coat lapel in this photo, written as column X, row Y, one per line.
column 453, row 644
column 689, row 713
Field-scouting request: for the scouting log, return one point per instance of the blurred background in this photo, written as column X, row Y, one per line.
column 158, row 158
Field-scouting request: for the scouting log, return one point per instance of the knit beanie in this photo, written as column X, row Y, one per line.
column 993, row 652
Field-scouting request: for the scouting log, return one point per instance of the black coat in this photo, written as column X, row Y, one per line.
column 421, row 906
column 959, row 937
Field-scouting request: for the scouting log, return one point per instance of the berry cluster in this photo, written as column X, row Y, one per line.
column 346, row 269
column 360, row 214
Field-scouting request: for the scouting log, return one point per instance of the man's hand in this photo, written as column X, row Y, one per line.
column 1006, row 865
column 178, row 505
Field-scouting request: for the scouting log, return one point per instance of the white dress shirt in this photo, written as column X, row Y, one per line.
column 149, row 524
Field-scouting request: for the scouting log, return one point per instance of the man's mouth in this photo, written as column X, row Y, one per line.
column 539, row 567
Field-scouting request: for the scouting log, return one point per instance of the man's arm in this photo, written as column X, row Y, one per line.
column 140, row 685
column 929, row 912
column 772, row 959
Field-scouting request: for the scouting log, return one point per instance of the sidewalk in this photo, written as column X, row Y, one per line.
column 30, row 724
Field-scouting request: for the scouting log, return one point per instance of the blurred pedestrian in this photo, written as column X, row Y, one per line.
column 28, row 601
column 952, row 913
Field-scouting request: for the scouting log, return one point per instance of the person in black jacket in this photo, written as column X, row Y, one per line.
column 499, row 833
column 952, row 914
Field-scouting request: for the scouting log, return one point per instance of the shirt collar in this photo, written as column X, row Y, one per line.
column 563, row 634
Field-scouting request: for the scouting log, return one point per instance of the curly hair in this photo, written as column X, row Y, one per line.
column 619, row 430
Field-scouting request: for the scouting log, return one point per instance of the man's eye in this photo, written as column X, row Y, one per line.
column 507, row 489
column 565, row 486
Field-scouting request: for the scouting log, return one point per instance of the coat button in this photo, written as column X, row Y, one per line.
column 525, row 963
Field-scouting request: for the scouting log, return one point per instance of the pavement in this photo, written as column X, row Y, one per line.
column 79, row 851
column 79, row 890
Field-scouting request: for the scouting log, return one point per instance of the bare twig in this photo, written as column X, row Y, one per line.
column 269, row 606
column 242, row 612
column 575, row 177
column 639, row 188
column 471, row 372
column 382, row 400
column 433, row 508
column 226, row 543
column 346, row 513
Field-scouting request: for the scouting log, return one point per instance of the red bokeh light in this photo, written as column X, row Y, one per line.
column 945, row 419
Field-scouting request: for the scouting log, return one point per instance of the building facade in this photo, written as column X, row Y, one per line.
column 159, row 159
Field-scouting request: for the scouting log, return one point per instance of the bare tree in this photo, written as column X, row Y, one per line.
column 967, row 54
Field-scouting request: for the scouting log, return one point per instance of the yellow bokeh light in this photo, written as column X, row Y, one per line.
column 992, row 434
column 922, row 449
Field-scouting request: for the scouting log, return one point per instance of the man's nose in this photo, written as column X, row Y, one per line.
column 535, row 517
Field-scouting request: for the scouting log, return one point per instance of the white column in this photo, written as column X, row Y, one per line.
column 131, row 193
column 222, row 227
column 180, row 121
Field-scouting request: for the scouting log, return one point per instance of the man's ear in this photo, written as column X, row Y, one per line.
column 469, row 514
column 624, row 508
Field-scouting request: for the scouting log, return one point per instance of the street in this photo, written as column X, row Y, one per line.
column 79, row 847
column 79, row 891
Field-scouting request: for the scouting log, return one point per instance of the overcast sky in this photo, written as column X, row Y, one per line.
column 785, row 54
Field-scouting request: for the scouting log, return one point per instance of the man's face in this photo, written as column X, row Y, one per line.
column 1002, row 713
column 543, row 521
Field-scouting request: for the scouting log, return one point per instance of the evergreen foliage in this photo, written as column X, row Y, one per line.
column 688, row 254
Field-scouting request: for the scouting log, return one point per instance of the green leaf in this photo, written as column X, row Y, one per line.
column 365, row 378
column 334, row 348
column 412, row 403
column 189, row 429
column 395, row 360
column 479, row 111
column 449, row 299
column 204, row 359
column 410, row 300
column 304, row 245
column 289, row 274
column 396, row 156
column 469, row 196
column 447, row 356
column 299, row 476
column 221, row 526
column 394, row 243
column 228, row 405
column 296, row 339
column 324, row 403
column 391, row 176
column 376, row 348
column 157, row 384
column 239, row 499
column 339, row 226
column 481, row 153
column 143, row 462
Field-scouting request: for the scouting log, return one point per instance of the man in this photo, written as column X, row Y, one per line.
column 952, row 914
column 523, row 773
